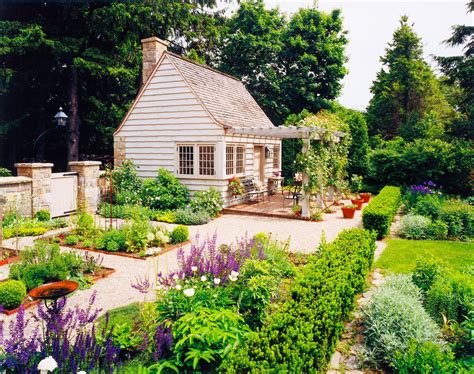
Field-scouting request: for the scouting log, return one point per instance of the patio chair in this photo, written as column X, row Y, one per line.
column 252, row 189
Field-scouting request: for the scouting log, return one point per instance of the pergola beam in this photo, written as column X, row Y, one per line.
column 292, row 132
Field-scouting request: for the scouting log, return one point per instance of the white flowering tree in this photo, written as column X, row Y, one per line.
column 324, row 157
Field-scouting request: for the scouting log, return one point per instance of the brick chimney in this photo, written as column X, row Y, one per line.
column 152, row 48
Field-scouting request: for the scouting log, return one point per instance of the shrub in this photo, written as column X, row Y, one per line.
column 85, row 224
column 379, row 213
column 12, row 293
column 165, row 216
column 127, row 184
column 394, row 317
column 115, row 236
column 10, row 232
column 425, row 274
column 402, row 163
column 165, row 192
column 112, row 246
column 124, row 211
column 43, row 215
column 459, row 217
column 45, row 263
column 414, row 227
column 302, row 334
column 189, row 217
column 71, row 240
column 259, row 286
column 136, row 234
column 437, row 230
column 449, row 296
column 4, row 172
column 428, row 205
column 209, row 201
column 205, row 336
column 88, row 243
column 422, row 358
column 179, row 234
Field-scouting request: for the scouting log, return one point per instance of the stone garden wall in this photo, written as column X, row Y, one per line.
column 30, row 191
column 16, row 192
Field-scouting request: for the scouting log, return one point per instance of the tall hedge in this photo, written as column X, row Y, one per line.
column 379, row 214
column 302, row 334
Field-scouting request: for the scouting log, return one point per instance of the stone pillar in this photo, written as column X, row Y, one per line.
column 40, row 175
column 88, row 190
column 119, row 150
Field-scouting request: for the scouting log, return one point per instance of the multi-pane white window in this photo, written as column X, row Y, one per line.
column 206, row 160
column 196, row 159
column 276, row 157
column 186, row 159
column 235, row 159
column 239, row 159
column 229, row 159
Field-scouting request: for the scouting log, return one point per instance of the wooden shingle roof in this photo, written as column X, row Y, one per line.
column 224, row 96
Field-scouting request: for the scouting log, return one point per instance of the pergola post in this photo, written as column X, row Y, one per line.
column 305, row 203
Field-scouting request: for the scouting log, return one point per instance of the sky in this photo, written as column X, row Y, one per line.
column 370, row 24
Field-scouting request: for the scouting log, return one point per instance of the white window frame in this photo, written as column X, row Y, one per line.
column 234, row 160
column 196, row 160
column 277, row 156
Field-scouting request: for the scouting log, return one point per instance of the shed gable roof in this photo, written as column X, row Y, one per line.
column 225, row 97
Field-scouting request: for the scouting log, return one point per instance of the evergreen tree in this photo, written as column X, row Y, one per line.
column 406, row 91
column 459, row 71
column 85, row 57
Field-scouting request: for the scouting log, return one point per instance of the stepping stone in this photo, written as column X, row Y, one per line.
column 335, row 360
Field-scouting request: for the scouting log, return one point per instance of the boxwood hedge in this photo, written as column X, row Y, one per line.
column 379, row 214
column 301, row 335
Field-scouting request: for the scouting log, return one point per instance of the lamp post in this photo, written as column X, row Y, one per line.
column 60, row 119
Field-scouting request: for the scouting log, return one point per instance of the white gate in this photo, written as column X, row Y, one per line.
column 63, row 194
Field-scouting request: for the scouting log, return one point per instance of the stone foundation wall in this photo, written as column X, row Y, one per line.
column 119, row 150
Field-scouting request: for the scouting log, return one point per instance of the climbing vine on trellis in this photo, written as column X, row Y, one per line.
column 326, row 160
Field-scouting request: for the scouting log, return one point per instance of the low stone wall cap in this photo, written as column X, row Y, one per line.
column 84, row 163
column 33, row 165
column 14, row 180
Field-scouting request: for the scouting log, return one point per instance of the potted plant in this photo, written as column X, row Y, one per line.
column 358, row 203
column 296, row 209
column 365, row 196
column 236, row 187
column 348, row 211
column 356, row 184
column 316, row 216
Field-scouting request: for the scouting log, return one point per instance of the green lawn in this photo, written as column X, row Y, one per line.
column 401, row 255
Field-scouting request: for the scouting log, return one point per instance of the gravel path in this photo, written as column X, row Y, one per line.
column 116, row 290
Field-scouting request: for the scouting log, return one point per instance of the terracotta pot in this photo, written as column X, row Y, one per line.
column 348, row 212
column 365, row 196
column 358, row 202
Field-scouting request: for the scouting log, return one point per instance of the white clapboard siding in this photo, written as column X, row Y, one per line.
column 167, row 113
column 172, row 108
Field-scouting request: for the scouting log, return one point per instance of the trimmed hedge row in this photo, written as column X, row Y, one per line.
column 302, row 334
column 379, row 214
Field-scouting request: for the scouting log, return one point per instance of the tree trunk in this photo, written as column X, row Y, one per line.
column 73, row 120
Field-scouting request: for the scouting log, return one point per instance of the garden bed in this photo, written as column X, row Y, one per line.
column 101, row 273
column 8, row 256
column 126, row 254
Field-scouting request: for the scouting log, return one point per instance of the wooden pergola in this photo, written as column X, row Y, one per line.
column 306, row 133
